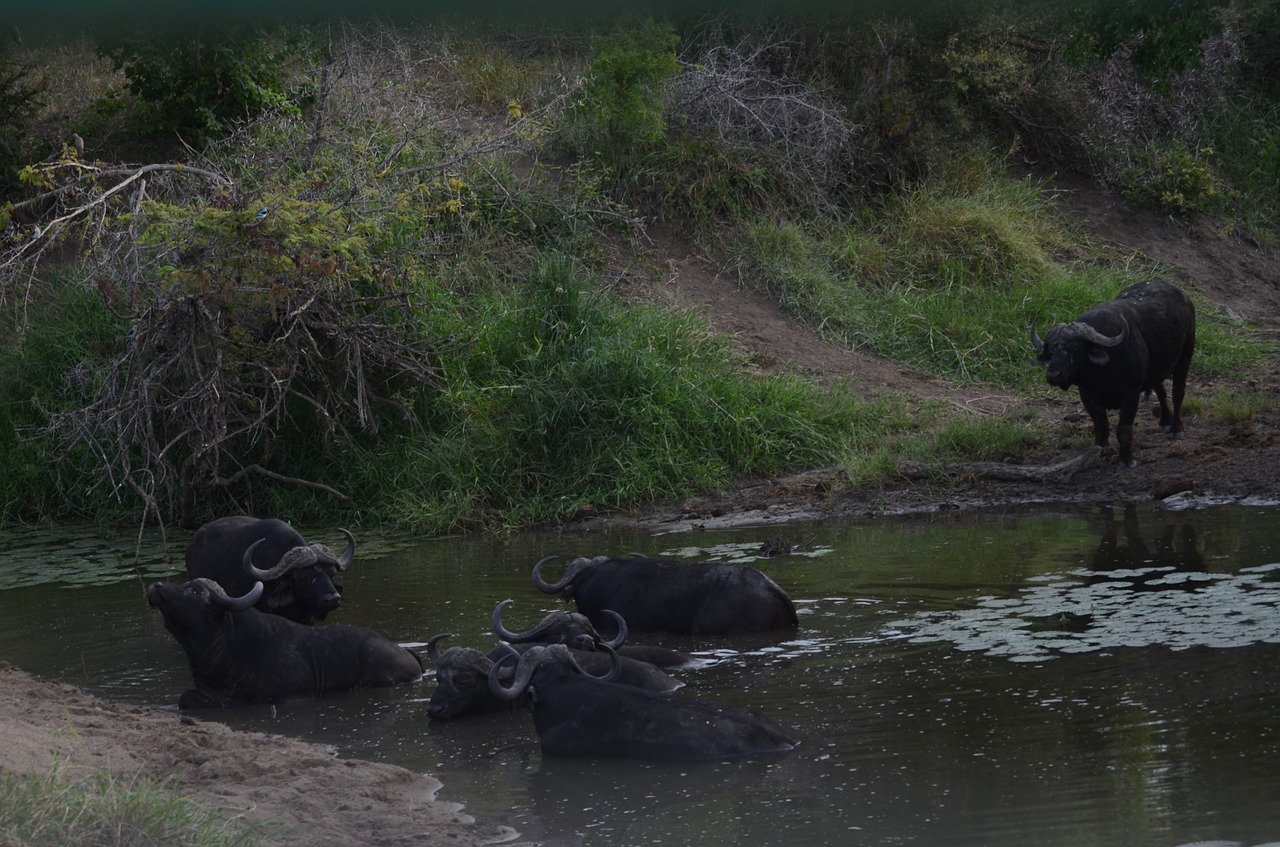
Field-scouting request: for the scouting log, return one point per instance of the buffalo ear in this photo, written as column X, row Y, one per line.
column 1099, row 357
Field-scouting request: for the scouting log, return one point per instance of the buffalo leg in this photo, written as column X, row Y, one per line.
column 1179, row 391
column 1166, row 417
column 1098, row 412
column 1124, row 429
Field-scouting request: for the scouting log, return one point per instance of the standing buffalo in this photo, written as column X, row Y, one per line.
column 696, row 598
column 461, row 674
column 577, row 714
column 1120, row 349
column 575, row 631
column 298, row 577
column 241, row 655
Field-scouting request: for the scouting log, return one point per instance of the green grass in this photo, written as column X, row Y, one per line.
column 950, row 278
column 567, row 397
column 62, row 809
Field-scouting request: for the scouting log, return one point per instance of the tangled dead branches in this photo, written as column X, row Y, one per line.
column 193, row 402
column 732, row 94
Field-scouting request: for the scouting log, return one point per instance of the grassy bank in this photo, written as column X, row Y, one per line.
column 399, row 274
column 61, row 810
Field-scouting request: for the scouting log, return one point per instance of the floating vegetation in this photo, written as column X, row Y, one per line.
column 745, row 552
column 78, row 557
column 1085, row 611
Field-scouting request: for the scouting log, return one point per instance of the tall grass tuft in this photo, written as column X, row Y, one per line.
column 58, row 809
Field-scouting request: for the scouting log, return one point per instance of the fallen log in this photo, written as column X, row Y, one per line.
column 1061, row 472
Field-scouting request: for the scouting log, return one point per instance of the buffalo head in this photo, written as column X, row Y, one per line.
column 194, row 610
column 304, row 577
column 529, row 662
column 569, row 628
column 461, row 688
column 1066, row 347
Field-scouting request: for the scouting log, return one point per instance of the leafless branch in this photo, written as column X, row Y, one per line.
column 731, row 93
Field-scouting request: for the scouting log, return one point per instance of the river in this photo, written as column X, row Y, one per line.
column 1078, row 675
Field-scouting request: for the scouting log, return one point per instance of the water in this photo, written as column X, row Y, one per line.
column 1071, row 676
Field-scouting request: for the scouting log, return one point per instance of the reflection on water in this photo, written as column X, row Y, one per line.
column 1080, row 676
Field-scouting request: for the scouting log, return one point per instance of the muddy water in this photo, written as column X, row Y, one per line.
column 1076, row 676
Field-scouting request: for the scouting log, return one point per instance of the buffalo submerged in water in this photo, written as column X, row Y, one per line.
column 577, row 714
column 461, row 672
column 575, row 631
column 665, row 595
column 240, row 655
column 299, row 579
column 1118, row 350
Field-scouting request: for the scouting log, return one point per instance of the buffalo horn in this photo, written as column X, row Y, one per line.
column 521, row 681
column 570, row 574
column 1098, row 338
column 235, row 604
column 621, row 637
column 432, row 652
column 507, row 635
column 296, row 558
column 1035, row 339
column 350, row 552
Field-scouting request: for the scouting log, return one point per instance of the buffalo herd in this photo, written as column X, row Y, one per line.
column 250, row 620
column 250, row 617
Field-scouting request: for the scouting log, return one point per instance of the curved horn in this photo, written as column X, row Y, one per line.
column 1035, row 339
column 507, row 635
column 431, row 646
column 295, row 558
column 541, row 584
column 570, row 574
column 524, row 673
column 615, row 665
column 236, row 604
column 350, row 552
column 1098, row 338
column 621, row 637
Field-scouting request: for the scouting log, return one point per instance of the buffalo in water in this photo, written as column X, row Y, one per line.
column 694, row 598
column 298, row 578
column 577, row 714
column 241, row 655
column 1120, row 349
column 462, row 689
column 574, row 630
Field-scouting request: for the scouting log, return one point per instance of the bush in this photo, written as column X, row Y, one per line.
column 20, row 99
column 1174, row 180
column 198, row 82
column 622, row 109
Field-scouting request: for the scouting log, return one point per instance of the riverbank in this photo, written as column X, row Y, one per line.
column 292, row 792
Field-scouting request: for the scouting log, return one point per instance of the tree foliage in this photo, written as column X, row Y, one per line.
column 196, row 81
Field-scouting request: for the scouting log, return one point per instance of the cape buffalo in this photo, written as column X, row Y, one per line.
column 696, row 598
column 461, row 673
column 577, row 714
column 240, row 655
column 574, row 630
column 1120, row 349
column 298, row 577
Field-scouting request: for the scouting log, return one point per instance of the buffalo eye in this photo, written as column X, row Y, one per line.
column 463, row 681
